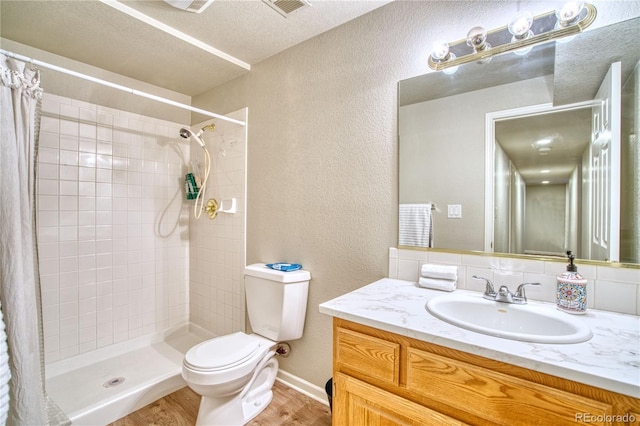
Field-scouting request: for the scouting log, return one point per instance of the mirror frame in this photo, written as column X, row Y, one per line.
column 531, row 257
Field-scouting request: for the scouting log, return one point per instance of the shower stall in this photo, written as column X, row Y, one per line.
column 130, row 280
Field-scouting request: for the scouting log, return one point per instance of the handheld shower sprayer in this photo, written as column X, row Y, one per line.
column 186, row 134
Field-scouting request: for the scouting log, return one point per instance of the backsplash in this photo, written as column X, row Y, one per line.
column 612, row 289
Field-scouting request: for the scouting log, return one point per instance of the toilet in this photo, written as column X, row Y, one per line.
column 235, row 373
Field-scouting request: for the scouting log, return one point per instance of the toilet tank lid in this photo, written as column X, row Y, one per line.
column 260, row 270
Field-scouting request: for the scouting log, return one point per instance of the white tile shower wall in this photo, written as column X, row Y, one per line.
column 613, row 289
column 217, row 247
column 112, row 226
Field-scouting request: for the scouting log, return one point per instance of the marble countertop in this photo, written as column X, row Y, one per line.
column 609, row 360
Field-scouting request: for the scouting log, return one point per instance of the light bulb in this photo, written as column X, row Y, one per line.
column 569, row 13
column 520, row 25
column 440, row 51
column 477, row 39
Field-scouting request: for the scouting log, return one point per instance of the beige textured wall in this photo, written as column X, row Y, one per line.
column 322, row 148
column 545, row 219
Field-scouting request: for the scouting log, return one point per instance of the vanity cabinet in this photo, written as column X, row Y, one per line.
column 382, row 378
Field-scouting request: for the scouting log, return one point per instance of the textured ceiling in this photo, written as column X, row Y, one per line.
column 569, row 132
column 96, row 34
column 586, row 60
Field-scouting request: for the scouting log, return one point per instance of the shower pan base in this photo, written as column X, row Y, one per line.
column 138, row 372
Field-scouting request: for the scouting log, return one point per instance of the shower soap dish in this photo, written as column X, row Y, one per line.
column 285, row 267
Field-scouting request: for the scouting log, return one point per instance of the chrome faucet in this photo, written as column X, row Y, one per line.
column 489, row 292
column 503, row 294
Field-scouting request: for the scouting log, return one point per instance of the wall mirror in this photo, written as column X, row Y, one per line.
column 517, row 155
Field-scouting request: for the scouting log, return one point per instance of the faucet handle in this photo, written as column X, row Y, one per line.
column 489, row 290
column 520, row 290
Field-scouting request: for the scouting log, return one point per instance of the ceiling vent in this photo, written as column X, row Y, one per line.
column 285, row 7
column 195, row 6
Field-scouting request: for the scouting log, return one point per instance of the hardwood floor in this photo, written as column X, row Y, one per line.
column 180, row 408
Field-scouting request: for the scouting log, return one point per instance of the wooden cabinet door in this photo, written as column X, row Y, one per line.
column 366, row 356
column 356, row 403
column 498, row 398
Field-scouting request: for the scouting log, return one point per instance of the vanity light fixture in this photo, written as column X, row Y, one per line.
column 521, row 34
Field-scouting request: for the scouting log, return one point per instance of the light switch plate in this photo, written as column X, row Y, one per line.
column 454, row 211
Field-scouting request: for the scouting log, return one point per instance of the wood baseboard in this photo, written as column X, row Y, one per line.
column 306, row 388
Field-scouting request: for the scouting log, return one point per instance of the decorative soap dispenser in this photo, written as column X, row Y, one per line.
column 572, row 289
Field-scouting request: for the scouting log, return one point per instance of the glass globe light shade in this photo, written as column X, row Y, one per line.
column 477, row 38
column 520, row 25
column 569, row 12
column 440, row 51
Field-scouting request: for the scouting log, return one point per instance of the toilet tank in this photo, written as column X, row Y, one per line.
column 276, row 301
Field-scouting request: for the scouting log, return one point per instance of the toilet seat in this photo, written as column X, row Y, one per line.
column 225, row 360
column 224, row 352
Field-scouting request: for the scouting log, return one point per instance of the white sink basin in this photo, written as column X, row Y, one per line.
column 527, row 323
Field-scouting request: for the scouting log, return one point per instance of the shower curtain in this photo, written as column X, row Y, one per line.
column 20, row 96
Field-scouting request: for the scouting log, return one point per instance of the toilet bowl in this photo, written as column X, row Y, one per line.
column 235, row 373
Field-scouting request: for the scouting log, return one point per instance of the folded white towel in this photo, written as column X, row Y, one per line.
column 436, row 284
column 443, row 272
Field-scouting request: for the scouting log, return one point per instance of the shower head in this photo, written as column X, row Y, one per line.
column 186, row 133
